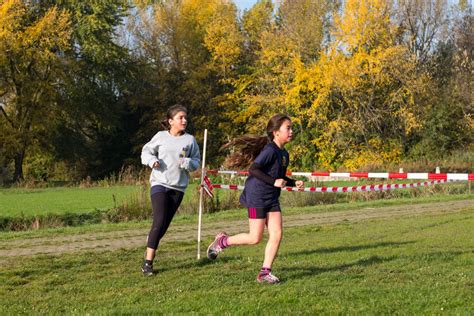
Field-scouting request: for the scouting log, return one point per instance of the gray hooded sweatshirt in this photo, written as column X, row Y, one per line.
column 177, row 155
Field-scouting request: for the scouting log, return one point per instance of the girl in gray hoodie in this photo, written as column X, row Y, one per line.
column 171, row 154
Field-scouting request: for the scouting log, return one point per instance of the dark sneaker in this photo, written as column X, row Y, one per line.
column 267, row 278
column 214, row 248
column 147, row 269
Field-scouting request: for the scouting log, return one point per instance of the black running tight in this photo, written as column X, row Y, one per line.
column 165, row 205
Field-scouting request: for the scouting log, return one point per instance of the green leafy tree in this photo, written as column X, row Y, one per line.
column 449, row 116
column 94, row 102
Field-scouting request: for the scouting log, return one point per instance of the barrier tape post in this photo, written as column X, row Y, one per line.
column 203, row 173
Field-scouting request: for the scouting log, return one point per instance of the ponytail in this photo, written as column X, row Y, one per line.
column 245, row 150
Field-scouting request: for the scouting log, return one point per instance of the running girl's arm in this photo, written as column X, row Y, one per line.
column 256, row 171
column 192, row 162
column 195, row 157
column 289, row 182
column 149, row 154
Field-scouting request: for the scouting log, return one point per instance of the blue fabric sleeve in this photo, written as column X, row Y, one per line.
column 256, row 171
column 266, row 156
column 194, row 157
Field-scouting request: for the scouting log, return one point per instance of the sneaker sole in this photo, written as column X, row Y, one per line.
column 146, row 273
column 266, row 282
column 210, row 254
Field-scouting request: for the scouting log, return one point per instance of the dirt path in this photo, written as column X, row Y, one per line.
column 134, row 238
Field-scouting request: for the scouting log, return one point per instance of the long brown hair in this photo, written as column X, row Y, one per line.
column 172, row 111
column 246, row 148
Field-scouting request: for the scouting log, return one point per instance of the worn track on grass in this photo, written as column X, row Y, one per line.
column 133, row 238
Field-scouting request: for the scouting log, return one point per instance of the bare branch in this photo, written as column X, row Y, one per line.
column 6, row 116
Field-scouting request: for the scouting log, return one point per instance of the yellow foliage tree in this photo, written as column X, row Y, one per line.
column 223, row 39
column 294, row 35
column 30, row 73
column 363, row 93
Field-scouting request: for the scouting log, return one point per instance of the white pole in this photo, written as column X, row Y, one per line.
column 203, row 170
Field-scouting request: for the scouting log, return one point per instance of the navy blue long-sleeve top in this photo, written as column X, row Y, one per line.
column 270, row 164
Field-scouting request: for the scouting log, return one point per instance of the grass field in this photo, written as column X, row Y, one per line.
column 14, row 202
column 227, row 215
column 31, row 202
column 403, row 265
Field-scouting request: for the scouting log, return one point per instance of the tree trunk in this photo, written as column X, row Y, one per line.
column 19, row 157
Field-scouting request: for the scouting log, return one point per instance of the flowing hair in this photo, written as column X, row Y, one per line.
column 246, row 148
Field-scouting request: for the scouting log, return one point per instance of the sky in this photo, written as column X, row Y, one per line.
column 244, row 4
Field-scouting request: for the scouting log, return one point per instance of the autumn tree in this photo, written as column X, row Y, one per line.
column 295, row 33
column 364, row 92
column 189, row 50
column 421, row 24
column 31, row 69
column 449, row 116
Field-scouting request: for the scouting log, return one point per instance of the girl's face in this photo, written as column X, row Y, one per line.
column 178, row 122
column 284, row 134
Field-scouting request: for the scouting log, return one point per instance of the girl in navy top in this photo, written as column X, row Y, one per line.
column 267, row 175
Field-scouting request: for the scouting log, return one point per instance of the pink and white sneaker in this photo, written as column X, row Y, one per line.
column 215, row 248
column 267, row 278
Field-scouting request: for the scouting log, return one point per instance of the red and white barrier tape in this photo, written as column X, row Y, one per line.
column 370, row 175
column 362, row 188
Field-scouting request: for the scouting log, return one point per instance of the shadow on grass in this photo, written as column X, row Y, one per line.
column 224, row 259
column 303, row 271
column 345, row 248
column 193, row 264
column 295, row 272
column 442, row 257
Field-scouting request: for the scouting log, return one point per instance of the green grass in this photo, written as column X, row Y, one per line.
column 234, row 214
column 31, row 202
column 412, row 265
column 14, row 202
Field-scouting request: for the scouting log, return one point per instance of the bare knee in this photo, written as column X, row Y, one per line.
column 275, row 235
column 254, row 239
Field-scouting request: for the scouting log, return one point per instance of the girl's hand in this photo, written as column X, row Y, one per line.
column 184, row 163
column 156, row 164
column 279, row 183
column 299, row 184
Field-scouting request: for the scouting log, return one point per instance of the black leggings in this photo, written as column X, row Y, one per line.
column 165, row 205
